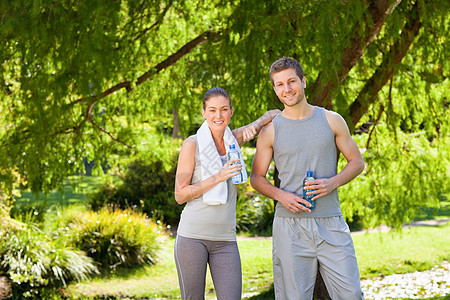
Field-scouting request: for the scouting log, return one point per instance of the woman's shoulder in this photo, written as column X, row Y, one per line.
column 192, row 139
column 189, row 144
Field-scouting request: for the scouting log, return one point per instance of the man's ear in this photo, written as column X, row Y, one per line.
column 203, row 114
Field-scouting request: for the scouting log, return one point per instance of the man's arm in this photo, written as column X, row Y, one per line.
column 347, row 146
column 248, row 132
column 260, row 165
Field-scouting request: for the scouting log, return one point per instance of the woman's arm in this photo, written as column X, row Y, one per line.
column 184, row 190
column 246, row 133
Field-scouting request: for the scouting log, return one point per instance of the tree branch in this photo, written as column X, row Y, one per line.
column 387, row 68
column 157, row 22
column 325, row 84
column 186, row 49
column 205, row 36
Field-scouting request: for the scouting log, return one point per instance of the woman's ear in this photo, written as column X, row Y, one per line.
column 203, row 114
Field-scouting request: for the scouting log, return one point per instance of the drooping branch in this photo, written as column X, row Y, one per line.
column 171, row 60
column 157, row 22
column 186, row 49
column 202, row 38
column 324, row 85
column 387, row 68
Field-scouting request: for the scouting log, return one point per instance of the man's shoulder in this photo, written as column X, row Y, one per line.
column 267, row 129
column 333, row 118
column 330, row 113
column 266, row 134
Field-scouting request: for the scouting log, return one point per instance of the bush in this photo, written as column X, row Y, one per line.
column 254, row 213
column 115, row 238
column 147, row 186
column 33, row 212
column 36, row 266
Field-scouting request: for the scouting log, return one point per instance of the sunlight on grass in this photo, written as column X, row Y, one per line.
column 75, row 190
column 412, row 249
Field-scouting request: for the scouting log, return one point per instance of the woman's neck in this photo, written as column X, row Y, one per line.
column 218, row 141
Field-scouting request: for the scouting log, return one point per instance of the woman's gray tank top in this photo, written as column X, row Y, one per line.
column 208, row 222
column 305, row 145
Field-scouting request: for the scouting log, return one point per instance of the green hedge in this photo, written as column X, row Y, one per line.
column 115, row 238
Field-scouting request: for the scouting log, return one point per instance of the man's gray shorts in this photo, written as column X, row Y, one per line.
column 302, row 245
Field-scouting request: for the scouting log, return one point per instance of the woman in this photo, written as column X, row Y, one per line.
column 207, row 230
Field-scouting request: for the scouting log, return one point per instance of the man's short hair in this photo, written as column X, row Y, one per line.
column 285, row 63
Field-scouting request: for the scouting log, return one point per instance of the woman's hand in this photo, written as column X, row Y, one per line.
column 249, row 132
column 229, row 170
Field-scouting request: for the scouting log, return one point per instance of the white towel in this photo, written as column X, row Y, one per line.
column 211, row 163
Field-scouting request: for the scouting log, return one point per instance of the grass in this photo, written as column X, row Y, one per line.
column 380, row 253
column 74, row 193
column 412, row 249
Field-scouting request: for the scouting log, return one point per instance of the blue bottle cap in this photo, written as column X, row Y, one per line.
column 309, row 173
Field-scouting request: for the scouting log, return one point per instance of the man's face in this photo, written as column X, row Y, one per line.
column 289, row 87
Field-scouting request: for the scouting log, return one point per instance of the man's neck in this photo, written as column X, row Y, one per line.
column 298, row 112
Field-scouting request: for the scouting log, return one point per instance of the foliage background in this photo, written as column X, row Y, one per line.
column 88, row 81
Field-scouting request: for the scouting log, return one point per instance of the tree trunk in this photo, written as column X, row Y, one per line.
column 387, row 68
column 176, row 124
column 325, row 85
column 320, row 290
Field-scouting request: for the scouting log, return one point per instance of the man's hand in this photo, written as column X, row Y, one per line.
column 322, row 187
column 292, row 202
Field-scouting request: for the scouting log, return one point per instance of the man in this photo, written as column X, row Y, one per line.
column 307, row 138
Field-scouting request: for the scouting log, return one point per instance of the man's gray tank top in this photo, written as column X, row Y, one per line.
column 208, row 222
column 305, row 145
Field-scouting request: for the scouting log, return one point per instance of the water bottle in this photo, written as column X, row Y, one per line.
column 309, row 177
column 234, row 154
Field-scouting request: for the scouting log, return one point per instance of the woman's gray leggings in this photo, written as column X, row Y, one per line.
column 192, row 257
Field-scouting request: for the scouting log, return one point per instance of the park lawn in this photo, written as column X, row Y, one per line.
column 74, row 192
column 378, row 253
column 412, row 249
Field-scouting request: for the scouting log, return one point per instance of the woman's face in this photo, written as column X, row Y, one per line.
column 217, row 112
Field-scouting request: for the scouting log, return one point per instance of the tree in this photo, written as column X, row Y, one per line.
column 78, row 79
